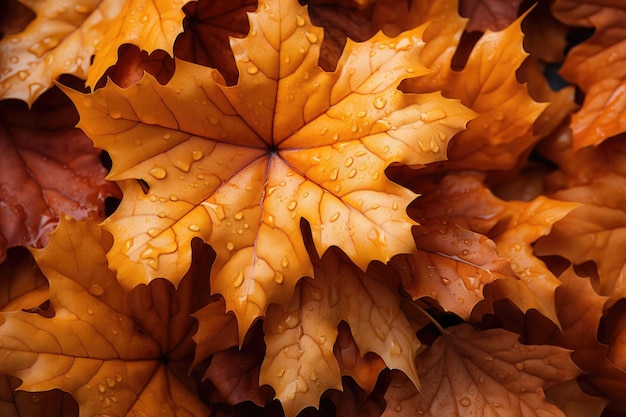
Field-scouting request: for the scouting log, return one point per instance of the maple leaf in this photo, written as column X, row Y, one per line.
column 514, row 226
column 488, row 14
column 451, row 265
column 49, row 167
column 300, row 364
column 469, row 372
column 603, row 77
column 240, row 166
column 22, row 285
column 51, row 403
column 502, row 131
column 63, row 36
column 103, row 345
column 208, row 26
column 590, row 176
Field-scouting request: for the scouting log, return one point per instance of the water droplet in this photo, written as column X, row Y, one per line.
column 158, row 172
column 394, row 205
column 23, row 74
column 352, row 173
column 115, row 114
column 82, row 8
column 252, row 70
column 445, row 281
column 110, row 382
column 375, row 175
column 238, row 280
column 519, row 366
column 194, row 227
column 292, row 205
column 284, row 262
column 96, row 289
column 313, row 376
column 173, row 197
column 153, row 232
column 279, row 277
column 362, row 113
column 280, row 372
column 311, row 37
column 323, row 131
column 334, row 174
column 35, row 399
column 90, row 312
column 488, row 358
column 465, row 402
column 335, row 136
column 300, row 21
column 118, row 378
column 398, row 408
column 101, row 388
column 14, row 59
column 197, row 155
column 230, row 246
column 334, row 217
column 395, row 350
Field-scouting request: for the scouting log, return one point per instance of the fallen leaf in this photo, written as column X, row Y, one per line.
column 208, row 25
column 64, row 35
column 469, row 372
column 103, row 345
column 602, row 57
column 514, row 226
column 237, row 165
column 590, row 176
column 49, row 168
column 489, row 14
column 300, row 364
column 22, row 285
column 452, row 265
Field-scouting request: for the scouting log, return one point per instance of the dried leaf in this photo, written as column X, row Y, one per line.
column 452, row 265
column 64, row 35
column 514, row 226
column 468, row 372
column 489, row 14
column 591, row 176
column 603, row 77
column 300, row 364
column 237, row 165
column 49, row 168
column 103, row 345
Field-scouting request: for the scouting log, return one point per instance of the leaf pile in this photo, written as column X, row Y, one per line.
column 379, row 208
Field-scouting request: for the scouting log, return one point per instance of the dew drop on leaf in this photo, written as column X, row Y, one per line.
column 238, row 280
column 465, row 402
column 96, row 289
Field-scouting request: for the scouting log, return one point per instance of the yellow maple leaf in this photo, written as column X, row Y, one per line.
column 65, row 34
column 241, row 166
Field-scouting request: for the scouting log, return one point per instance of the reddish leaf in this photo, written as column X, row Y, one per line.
column 468, row 372
column 49, row 168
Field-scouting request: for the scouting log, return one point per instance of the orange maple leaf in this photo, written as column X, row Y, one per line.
column 597, row 67
column 103, row 344
column 63, row 37
column 241, row 166
column 514, row 226
column 300, row 364
column 471, row 372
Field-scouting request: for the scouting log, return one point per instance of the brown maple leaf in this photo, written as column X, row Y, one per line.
column 468, row 372
column 489, row 14
column 49, row 168
column 590, row 176
column 514, row 226
column 103, row 345
column 597, row 67
column 241, row 166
